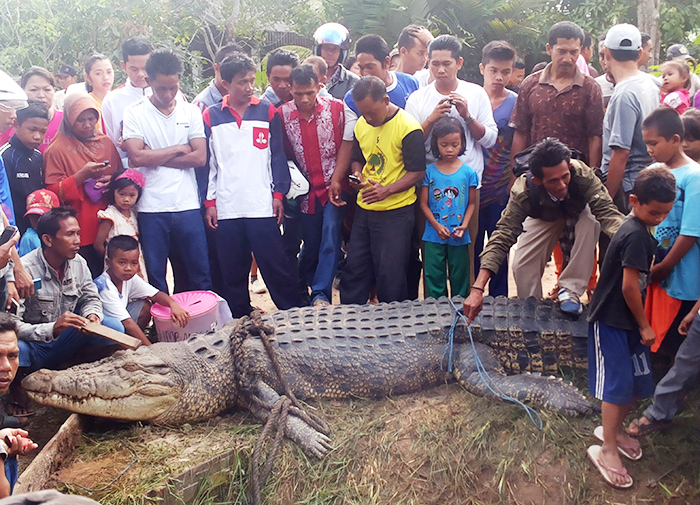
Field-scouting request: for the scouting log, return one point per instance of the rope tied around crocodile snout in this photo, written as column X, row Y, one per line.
column 279, row 411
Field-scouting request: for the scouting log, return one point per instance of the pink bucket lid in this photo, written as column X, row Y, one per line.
column 194, row 302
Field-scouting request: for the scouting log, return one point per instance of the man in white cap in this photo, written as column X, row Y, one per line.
column 12, row 97
column 634, row 98
column 15, row 282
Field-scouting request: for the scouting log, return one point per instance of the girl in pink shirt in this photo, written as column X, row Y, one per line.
column 675, row 77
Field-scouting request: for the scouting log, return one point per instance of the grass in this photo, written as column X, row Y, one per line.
column 442, row 446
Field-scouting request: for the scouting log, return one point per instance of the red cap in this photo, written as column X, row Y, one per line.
column 41, row 201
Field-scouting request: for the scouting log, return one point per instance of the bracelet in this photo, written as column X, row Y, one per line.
column 478, row 288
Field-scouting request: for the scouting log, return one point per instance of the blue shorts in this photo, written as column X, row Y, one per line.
column 618, row 364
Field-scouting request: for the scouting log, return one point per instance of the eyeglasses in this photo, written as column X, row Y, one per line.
column 10, row 105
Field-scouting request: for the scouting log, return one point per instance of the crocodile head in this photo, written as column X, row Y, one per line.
column 166, row 383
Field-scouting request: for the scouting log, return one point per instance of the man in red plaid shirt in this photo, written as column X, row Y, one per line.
column 313, row 127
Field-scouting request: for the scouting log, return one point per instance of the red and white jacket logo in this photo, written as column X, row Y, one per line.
column 260, row 137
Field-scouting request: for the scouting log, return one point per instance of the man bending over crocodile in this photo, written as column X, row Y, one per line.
column 556, row 188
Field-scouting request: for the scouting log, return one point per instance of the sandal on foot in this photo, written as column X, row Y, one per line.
column 639, row 429
column 16, row 409
column 598, row 433
column 605, row 471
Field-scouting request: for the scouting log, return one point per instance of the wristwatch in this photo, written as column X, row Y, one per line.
column 469, row 120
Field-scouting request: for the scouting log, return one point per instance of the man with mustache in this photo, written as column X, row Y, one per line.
column 561, row 102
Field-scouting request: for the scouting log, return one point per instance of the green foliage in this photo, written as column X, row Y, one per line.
column 261, row 75
column 52, row 32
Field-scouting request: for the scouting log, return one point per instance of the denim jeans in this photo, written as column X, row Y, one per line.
column 12, row 471
column 488, row 217
column 161, row 233
column 320, row 254
column 36, row 355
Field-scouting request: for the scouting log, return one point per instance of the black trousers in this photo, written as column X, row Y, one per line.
column 235, row 240
column 378, row 254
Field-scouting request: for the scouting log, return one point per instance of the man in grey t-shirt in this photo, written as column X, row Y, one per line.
column 635, row 97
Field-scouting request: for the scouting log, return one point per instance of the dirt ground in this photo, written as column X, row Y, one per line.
column 441, row 446
column 433, row 447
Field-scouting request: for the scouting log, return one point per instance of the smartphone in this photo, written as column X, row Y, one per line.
column 105, row 162
column 7, row 234
column 354, row 178
column 14, row 308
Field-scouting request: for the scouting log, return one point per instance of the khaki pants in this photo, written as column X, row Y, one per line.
column 535, row 247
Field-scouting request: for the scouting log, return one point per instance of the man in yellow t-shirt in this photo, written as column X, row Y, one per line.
column 388, row 160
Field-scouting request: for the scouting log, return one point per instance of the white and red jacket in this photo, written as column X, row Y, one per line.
column 247, row 163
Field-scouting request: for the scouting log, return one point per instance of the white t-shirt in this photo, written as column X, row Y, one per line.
column 114, row 303
column 422, row 103
column 113, row 107
column 423, row 77
column 167, row 189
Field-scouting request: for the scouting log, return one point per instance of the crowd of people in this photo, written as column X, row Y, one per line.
column 377, row 170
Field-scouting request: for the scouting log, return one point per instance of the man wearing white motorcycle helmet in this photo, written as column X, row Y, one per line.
column 332, row 42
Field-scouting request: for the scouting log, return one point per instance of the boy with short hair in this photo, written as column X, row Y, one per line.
column 215, row 92
column 124, row 294
column 38, row 203
column 496, row 66
column 23, row 159
column 676, row 271
column 321, row 68
column 619, row 334
column 248, row 178
column 135, row 53
column 313, row 128
column 164, row 137
column 280, row 64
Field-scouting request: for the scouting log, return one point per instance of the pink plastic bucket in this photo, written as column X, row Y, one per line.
column 202, row 307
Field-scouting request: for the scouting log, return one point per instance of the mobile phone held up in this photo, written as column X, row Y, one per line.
column 354, row 178
column 7, row 234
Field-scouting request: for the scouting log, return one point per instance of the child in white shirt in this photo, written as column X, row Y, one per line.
column 125, row 295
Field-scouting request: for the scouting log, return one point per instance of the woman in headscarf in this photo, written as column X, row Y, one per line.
column 78, row 166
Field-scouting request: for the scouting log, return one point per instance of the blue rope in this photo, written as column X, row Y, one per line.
column 483, row 374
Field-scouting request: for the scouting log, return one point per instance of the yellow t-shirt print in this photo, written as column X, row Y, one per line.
column 375, row 165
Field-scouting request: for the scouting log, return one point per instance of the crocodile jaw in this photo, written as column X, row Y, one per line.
column 120, row 387
column 135, row 407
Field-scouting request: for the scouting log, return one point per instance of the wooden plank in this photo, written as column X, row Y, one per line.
column 116, row 336
column 51, row 457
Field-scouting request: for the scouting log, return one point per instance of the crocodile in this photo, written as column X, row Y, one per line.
column 336, row 352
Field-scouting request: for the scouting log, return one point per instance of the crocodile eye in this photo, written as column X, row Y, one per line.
column 130, row 366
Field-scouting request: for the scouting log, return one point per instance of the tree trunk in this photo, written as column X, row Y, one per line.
column 648, row 22
column 230, row 25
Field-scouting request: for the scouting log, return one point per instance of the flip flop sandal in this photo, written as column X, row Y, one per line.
column 605, row 471
column 644, row 429
column 18, row 410
column 598, row 433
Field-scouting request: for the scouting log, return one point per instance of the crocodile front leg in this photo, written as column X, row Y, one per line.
column 312, row 442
